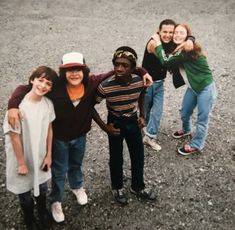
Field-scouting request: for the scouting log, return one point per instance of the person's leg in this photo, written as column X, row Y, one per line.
column 75, row 175
column 44, row 214
column 156, row 109
column 134, row 142
column 188, row 104
column 76, row 155
column 135, row 145
column 206, row 99
column 59, row 168
column 116, row 161
column 27, row 206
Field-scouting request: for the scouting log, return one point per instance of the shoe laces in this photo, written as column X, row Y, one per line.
column 57, row 207
column 79, row 190
column 120, row 192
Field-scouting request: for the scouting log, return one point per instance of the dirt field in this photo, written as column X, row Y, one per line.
column 195, row 192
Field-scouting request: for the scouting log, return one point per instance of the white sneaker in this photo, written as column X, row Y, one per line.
column 80, row 195
column 57, row 212
column 151, row 142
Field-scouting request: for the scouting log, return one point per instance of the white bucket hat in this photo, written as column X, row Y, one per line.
column 72, row 59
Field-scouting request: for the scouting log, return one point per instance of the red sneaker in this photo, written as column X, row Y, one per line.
column 180, row 134
column 187, row 150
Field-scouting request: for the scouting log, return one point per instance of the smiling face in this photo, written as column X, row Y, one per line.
column 166, row 33
column 41, row 86
column 123, row 69
column 74, row 76
column 180, row 34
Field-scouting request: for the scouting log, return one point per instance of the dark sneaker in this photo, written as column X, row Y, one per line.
column 120, row 196
column 147, row 194
column 180, row 134
column 187, row 150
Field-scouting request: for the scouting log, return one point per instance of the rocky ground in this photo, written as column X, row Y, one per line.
column 195, row 192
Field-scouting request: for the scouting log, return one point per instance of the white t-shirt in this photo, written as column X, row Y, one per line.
column 34, row 129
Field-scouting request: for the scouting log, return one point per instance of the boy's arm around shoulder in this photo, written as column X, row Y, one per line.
column 97, row 79
column 17, row 96
column 143, row 73
column 14, row 115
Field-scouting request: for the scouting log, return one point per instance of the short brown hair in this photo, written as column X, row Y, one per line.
column 45, row 72
column 166, row 22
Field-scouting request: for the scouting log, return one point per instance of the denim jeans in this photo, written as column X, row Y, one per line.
column 131, row 133
column 204, row 100
column 154, row 99
column 67, row 158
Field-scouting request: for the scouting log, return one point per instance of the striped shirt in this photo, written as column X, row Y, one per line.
column 121, row 100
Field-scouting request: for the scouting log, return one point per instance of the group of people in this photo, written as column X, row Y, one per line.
column 169, row 50
column 48, row 119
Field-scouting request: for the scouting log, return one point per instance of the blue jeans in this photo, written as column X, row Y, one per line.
column 204, row 101
column 154, row 99
column 67, row 157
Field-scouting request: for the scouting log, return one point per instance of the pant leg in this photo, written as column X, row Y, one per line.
column 134, row 142
column 205, row 99
column 188, row 105
column 27, row 207
column 43, row 213
column 156, row 110
column 116, row 160
column 76, row 155
column 59, row 168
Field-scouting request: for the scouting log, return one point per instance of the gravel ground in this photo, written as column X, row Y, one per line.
column 195, row 192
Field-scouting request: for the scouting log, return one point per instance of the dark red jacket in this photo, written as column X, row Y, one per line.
column 71, row 122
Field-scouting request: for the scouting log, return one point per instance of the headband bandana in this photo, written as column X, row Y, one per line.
column 126, row 54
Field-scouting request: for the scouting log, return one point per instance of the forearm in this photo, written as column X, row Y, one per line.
column 49, row 140
column 141, row 104
column 17, row 148
column 98, row 120
column 169, row 61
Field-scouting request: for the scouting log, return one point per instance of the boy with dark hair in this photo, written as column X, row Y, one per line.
column 124, row 94
column 28, row 148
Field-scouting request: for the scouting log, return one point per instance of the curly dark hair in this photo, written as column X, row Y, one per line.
column 85, row 70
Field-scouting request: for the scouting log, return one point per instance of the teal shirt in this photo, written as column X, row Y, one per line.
column 198, row 72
